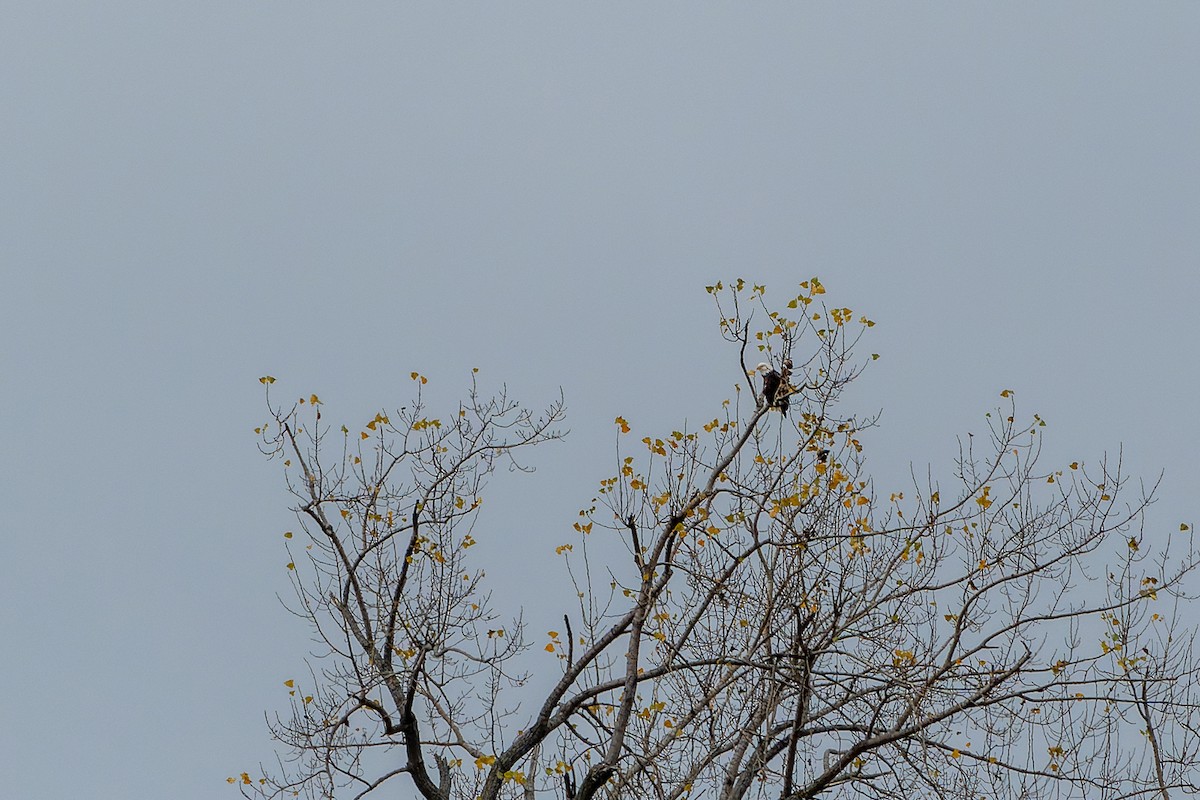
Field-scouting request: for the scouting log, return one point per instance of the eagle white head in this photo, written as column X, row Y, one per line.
column 763, row 367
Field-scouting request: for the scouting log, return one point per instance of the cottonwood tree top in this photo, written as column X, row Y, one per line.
column 752, row 616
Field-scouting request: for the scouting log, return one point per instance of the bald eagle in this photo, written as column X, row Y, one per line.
column 775, row 386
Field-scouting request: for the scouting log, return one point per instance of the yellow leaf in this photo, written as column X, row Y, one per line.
column 316, row 401
column 983, row 500
column 623, row 424
column 1006, row 393
column 291, row 565
column 1183, row 526
column 550, row 647
column 287, row 534
column 363, row 434
column 266, row 379
column 289, row 683
column 308, row 699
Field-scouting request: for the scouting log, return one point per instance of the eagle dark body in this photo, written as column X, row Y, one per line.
column 771, row 383
column 775, row 385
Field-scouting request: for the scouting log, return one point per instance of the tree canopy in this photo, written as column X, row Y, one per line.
column 773, row 625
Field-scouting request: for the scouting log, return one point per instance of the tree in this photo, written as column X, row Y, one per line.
column 774, row 625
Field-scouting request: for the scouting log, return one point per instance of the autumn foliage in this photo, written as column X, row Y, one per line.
column 773, row 624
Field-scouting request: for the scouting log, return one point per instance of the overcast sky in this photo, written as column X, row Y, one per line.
column 196, row 194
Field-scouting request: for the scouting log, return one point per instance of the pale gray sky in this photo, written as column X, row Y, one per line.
column 196, row 194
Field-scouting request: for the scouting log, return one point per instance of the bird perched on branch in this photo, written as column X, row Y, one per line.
column 775, row 385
